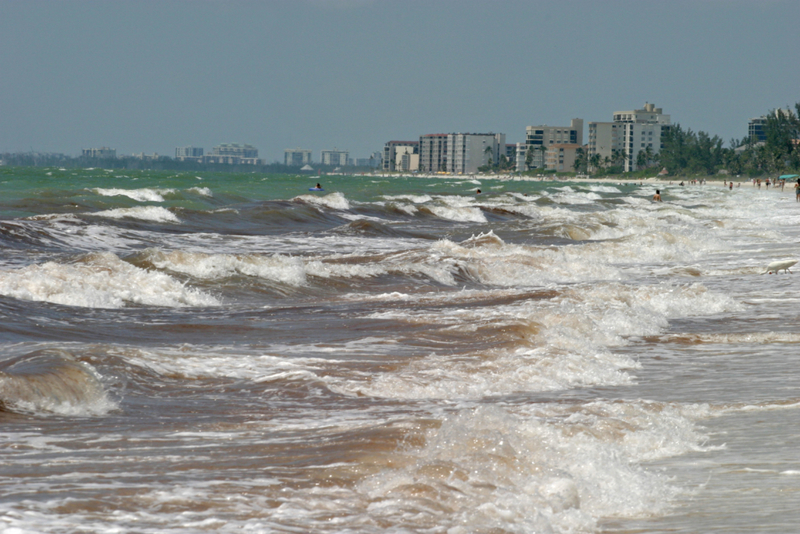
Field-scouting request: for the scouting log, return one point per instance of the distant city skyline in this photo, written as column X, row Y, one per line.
column 149, row 76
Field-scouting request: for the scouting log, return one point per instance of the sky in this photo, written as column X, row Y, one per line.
column 152, row 75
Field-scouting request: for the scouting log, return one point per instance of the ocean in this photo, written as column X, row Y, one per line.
column 222, row 352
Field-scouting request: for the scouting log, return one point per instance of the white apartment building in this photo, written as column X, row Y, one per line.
column 539, row 138
column 337, row 158
column 470, row 151
column 296, row 157
column 459, row 153
column 631, row 132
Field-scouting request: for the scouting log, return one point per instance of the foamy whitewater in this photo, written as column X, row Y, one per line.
column 231, row 352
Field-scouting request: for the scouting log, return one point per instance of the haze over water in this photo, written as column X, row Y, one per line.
column 226, row 352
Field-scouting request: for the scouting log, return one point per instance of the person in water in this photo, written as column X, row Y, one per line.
column 797, row 190
column 478, row 192
column 657, row 196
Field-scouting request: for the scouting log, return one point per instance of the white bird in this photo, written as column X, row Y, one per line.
column 782, row 265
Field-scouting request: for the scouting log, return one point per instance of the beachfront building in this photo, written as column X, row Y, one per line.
column 459, row 153
column 401, row 156
column 539, row 138
column 233, row 154
column 188, row 153
column 642, row 130
column 337, row 158
column 631, row 132
column 433, row 153
column 560, row 157
column 296, row 157
column 102, row 152
column 470, row 151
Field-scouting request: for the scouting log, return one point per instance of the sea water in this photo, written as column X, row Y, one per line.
column 204, row 352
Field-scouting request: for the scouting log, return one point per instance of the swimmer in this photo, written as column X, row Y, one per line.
column 657, row 196
column 478, row 192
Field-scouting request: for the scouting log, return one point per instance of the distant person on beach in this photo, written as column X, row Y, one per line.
column 657, row 196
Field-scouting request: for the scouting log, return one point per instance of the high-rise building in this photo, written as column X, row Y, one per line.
column 459, row 153
column 296, row 157
column 470, row 151
column 433, row 153
column 631, row 132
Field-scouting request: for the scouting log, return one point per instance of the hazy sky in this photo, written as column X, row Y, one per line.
column 151, row 75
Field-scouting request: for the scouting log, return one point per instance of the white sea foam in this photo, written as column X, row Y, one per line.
column 145, row 213
column 284, row 269
column 568, row 342
column 204, row 191
column 531, row 475
column 417, row 199
column 458, row 213
column 336, row 201
column 102, row 280
column 142, row 195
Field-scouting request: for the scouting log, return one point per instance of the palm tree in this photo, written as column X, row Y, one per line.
column 595, row 161
column 543, row 149
column 641, row 160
